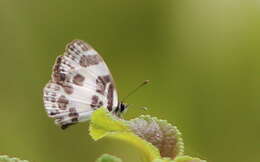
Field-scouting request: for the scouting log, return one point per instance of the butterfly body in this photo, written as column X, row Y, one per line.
column 81, row 83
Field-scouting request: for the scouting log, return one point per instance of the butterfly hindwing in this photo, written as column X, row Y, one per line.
column 81, row 82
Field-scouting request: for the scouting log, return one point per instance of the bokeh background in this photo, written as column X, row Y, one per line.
column 202, row 57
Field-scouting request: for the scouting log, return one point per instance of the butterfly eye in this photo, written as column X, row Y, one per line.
column 122, row 107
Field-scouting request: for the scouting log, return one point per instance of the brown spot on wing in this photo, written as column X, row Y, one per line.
column 94, row 101
column 71, row 47
column 101, row 85
column 54, row 113
column 63, row 102
column 107, row 78
column 73, row 113
column 88, row 60
column 50, row 99
column 67, row 88
column 74, row 120
column 102, row 82
column 82, row 45
column 58, row 75
column 78, row 79
column 110, row 96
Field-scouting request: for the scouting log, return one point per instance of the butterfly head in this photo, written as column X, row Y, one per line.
column 122, row 107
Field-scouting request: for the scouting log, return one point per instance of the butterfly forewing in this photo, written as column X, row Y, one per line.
column 81, row 82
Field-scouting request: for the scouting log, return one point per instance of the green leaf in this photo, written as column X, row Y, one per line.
column 5, row 158
column 166, row 137
column 154, row 137
column 108, row 158
column 180, row 159
column 164, row 160
column 188, row 159
column 104, row 124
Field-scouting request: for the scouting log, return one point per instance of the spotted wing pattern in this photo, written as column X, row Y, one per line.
column 81, row 83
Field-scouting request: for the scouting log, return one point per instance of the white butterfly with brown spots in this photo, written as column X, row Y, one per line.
column 81, row 83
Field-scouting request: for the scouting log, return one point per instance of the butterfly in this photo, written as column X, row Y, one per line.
column 81, row 83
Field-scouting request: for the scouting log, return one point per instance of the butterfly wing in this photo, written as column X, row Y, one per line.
column 81, row 82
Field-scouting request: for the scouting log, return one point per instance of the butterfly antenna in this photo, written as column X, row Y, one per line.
column 136, row 89
column 144, row 108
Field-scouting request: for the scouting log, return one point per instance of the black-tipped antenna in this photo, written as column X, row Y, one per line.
column 133, row 91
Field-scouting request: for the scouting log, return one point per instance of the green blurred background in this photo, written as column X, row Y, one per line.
column 203, row 58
